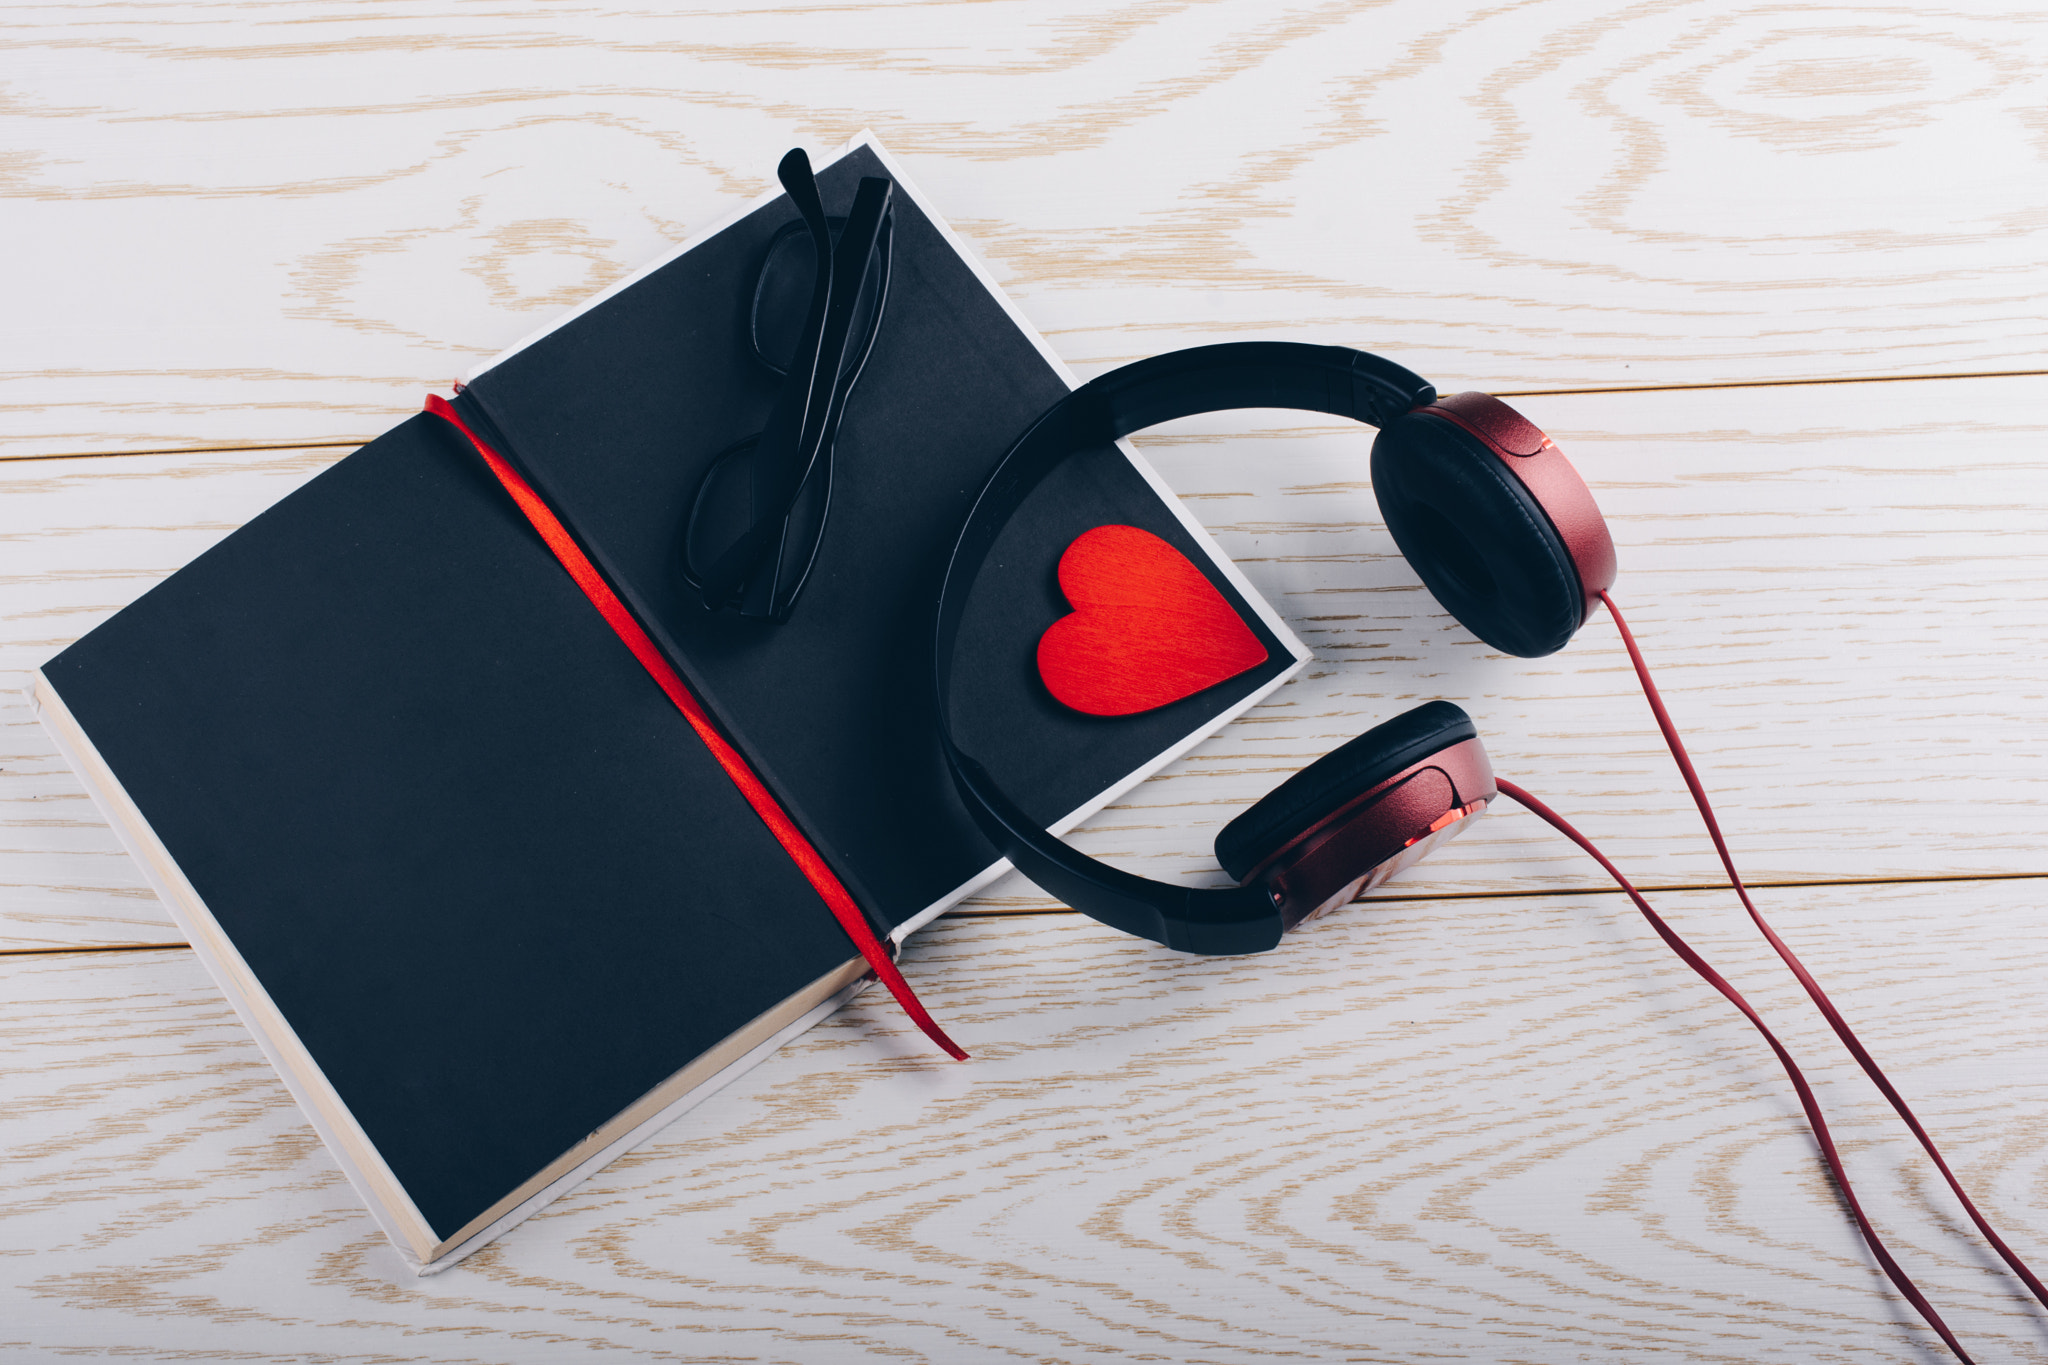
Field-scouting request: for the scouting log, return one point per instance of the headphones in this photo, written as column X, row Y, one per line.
column 1485, row 508
column 1503, row 532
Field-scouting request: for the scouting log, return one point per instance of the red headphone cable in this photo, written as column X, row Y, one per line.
column 1814, row 1118
column 1791, row 960
column 1813, row 990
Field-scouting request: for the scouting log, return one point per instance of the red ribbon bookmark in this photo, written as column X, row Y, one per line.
column 816, row 871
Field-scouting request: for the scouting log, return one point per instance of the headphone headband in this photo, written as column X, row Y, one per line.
column 1240, row 374
column 1244, row 374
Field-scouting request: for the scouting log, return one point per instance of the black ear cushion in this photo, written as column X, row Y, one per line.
column 1335, row 778
column 1476, row 536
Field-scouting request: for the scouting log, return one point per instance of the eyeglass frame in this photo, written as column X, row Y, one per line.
column 734, row 579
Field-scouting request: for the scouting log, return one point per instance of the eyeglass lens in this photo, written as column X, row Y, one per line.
column 782, row 294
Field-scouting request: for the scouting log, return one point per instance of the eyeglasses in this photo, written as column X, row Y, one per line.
column 758, row 516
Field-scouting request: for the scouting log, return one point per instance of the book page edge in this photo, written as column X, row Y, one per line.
column 1095, row 803
column 1194, row 528
column 986, row 278
column 375, row 1183
column 1199, row 533
column 621, row 285
column 713, row 1070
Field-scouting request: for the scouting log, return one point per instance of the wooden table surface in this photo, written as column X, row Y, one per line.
column 1771, row 275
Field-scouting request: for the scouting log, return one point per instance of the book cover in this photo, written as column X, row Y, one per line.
column 491, row 908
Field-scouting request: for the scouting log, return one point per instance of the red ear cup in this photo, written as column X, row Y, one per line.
column 1361, row 813
column 1542, row 468
column 1483, row 537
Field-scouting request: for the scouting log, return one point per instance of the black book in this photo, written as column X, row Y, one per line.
column 488, row 904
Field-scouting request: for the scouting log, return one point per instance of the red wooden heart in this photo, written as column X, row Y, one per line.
column 1147, row 627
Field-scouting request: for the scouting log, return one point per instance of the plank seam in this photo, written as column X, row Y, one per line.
column 1935, row 879
column 1928, row 879
column 1498, row 393
column 1768, row 383
column 94, row 948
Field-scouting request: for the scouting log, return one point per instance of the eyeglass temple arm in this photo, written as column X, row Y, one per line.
column 780, row 473
column 772, row 594
column 776, row 450
column 782, row 465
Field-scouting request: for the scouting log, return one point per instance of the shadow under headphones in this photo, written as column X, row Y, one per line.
column 1485, row 508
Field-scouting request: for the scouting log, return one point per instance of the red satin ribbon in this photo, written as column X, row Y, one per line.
column 816, row 871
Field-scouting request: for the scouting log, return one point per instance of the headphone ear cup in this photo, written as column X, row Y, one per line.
column 1476, row 536
column 1291, row 808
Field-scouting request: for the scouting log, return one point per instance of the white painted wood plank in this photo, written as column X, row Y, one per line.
column 1844, row 589
column 1486, row 1132
column 254, row 223
column 79, row 540
column 1839, row 587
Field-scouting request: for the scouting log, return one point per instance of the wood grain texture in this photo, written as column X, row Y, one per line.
column 270, row 223
column 1843, row 590
column 1503, row 1130
column 1820, row 579
column 80, row 539
column 1513, row 1132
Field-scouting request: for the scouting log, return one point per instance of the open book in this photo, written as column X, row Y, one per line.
column 490, row 907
